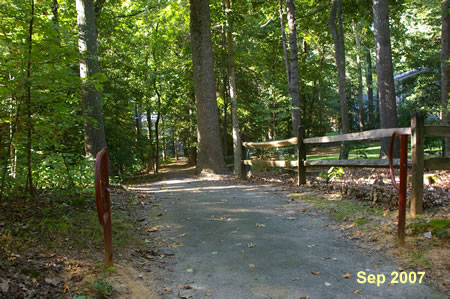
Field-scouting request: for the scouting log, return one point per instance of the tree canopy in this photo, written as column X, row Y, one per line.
column 145, row 79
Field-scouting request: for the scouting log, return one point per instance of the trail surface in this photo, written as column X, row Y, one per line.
column 229, row 240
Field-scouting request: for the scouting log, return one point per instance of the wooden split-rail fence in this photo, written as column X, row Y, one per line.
column 418, row 132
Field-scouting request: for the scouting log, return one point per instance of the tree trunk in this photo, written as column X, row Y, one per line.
column 192, row 149
column 283, row 39
column 150, row 163
column 210, row 155
column 158, row 117
column 164, row 153
column 385, row 77
column 29, row 122
column 359, row 71
column 233, row 96
column 338, row 38
column 370, row 105
column 225, row 112
column 294, row 87
column 94, row 132
column 445, row 72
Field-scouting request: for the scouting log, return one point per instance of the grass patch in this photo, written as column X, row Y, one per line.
column 418, row 259
column 70, row 221
column 361, row 221
column 439, row 227
column 342, row 209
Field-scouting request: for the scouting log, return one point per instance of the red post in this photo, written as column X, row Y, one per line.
column 403, row 182
column 103, row 202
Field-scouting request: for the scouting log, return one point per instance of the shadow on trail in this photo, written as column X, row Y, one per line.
column 233, row 240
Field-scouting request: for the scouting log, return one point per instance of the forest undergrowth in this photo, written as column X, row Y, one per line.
column 53, row 246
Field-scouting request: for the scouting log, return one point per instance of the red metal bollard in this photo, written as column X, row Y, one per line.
column 103, row 202
column 403, row 181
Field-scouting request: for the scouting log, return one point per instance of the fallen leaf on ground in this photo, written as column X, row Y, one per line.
column 5, row 286
column 176, row 245
column 356, row 292
column 260, row 225
column 51, row 282
column 374, row 266
column 251, row 245
column 315, row 273
column 303, row 210
column 291, row 218
column 347, row 275
column 152, row 229
column 251, row 266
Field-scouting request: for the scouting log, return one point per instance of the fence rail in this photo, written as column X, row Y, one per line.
column 418, row 131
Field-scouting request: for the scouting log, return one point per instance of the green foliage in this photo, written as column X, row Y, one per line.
column 103, row 288
column 439, row 227
column 144, row 50
column 335, row 173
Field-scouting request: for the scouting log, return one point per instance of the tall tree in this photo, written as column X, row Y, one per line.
column 356, row 29
column 91, row 99
column 445, row 71
column 283, row 39
column 29, row 183
column 294, row 85
column 210, row 155
column 384, row 68
column 369, row 80
column 338, row 37
column 233, row 96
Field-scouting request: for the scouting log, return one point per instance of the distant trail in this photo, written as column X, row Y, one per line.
column 247, row 241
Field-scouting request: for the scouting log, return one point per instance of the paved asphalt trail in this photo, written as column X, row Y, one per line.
column 242, row 241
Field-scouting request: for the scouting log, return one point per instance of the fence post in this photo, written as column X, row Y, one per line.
column 417, row 148
column 244, row 168
column 301, row 156
column 103, row 202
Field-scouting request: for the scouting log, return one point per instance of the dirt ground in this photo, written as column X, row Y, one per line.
column 49, row 249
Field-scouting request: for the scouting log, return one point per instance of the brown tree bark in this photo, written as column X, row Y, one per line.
column 210, row 155
column 369, row 82
column 294, row 85
column 385, row 77
column 359, row 73
column 445, row 72
column 158, row 117
column 91, row 99
column 283, row 39
column 29, row 187
column 233, row 96
column 338, row 37
column 150, row 162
